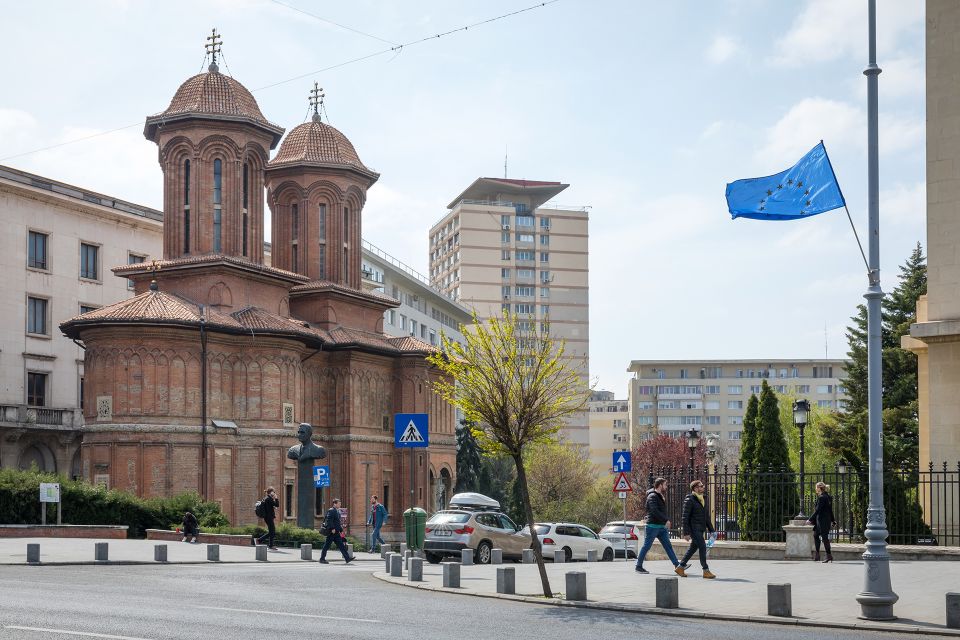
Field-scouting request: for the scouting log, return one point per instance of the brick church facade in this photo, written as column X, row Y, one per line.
column 198, row 382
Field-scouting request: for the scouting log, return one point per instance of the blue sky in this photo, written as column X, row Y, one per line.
column 646, row 108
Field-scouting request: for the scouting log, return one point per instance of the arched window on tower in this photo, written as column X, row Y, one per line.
column 186, row 206
column 322, row 225
column 246, row 195
column 346, row 244
column 294, row 236
column 217, row 203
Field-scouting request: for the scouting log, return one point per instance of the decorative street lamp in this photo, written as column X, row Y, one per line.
column 712, row 441
column 693, row 438
column 801, row 409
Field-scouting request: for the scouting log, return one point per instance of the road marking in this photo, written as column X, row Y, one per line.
column 293, row 615
column 73, row 633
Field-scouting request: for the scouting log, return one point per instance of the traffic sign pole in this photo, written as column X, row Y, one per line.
column 626, row 558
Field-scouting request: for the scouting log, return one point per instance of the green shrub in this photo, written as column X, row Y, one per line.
column 287, row 535
column 84, row 503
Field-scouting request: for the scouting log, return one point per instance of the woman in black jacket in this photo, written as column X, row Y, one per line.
column 191, row 528
column 822, row 520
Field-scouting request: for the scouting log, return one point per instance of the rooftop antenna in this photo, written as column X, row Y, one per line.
column 213, row 46
column 826, row 353
column 504, row 162
column 316, row 100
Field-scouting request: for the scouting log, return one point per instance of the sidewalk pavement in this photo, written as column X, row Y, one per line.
column 81, row 551
column 823, row 594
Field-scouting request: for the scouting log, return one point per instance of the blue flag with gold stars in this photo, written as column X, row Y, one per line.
column 805, row 189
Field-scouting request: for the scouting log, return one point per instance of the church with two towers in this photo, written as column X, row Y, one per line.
column 198, row 382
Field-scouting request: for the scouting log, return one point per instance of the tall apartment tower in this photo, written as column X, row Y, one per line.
column 501, row 248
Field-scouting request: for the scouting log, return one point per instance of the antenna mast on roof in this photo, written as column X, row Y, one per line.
column 826, row 353
column 504, row 162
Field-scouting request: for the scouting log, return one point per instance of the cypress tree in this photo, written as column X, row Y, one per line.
column 747, row 476
column 774, row 497
column 748, row 444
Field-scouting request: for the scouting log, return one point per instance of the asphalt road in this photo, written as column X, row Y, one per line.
column 221, row 602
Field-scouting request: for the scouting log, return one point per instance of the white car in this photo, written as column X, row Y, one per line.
column 575, row 540
column 624, row 536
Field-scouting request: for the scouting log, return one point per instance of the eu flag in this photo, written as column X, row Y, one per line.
column 805, row 189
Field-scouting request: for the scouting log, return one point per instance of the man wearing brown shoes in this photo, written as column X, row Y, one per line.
column 693, row 524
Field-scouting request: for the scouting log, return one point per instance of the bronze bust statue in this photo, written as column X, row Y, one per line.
column 305, row 454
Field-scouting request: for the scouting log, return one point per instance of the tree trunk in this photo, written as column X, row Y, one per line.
column 534, row 539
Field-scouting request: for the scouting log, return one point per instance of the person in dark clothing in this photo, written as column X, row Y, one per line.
column 334, row 527
column 270, row 516
column 191, row 528
column 822, row 520
column 658, row 525
column 695, row 520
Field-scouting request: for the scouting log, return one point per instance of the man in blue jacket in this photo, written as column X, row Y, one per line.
column 334, row 527
column 378, row 515
column 658, row 524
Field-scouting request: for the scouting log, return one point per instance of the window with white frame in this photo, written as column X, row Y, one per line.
column 735, row 389
column 735, row 420
column 734, row 404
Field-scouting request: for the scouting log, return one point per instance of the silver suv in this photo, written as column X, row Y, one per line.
column 474, row 521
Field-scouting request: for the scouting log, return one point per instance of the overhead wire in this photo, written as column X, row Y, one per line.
column 328, row 21
column 395, row 48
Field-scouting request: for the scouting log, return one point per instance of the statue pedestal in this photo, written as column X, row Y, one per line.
column 799, row 540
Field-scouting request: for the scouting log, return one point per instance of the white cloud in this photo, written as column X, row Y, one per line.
column 830, row 29
column 904, row 204
column 17, row 133
column 722, row 49
column 902, row 76
column 805, row 124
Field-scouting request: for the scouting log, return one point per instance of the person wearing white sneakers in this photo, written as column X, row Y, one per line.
column 695, row 521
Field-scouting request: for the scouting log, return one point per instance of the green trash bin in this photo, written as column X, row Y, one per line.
column 415, row 524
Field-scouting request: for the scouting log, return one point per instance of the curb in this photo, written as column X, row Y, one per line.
column 84, row 563
column 679, row 613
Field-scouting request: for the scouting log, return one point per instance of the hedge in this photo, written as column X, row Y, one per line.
column 84, row 503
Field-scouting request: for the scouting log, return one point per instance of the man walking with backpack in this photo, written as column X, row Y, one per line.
column 267, row 509
column 333, row 529
column 378, row 515
column 658, row 525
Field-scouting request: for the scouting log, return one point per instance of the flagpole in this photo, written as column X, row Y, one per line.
column 877, row 598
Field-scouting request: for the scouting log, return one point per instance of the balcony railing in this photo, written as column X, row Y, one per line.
column 25, row 415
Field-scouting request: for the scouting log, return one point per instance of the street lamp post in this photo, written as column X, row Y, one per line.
column 711, row 474
column 877, row 598
column 801, row 409
column 693, row 437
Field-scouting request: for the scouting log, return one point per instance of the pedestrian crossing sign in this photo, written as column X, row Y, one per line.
column 411, row 430
column 622, row 483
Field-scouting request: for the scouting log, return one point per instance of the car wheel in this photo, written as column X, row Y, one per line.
column 432, row 558
column 608, row 555
column 567, row 554
column 484, row 553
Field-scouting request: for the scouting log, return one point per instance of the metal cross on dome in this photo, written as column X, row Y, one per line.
column 316, row 100
column 214, row 45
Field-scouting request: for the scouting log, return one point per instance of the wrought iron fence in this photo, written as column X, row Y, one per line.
column 922, row 506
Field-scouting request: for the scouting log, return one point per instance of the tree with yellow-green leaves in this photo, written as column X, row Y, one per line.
column 514, row 386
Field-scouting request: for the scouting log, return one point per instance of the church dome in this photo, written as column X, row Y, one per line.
column 315, row 143
column 213, row 95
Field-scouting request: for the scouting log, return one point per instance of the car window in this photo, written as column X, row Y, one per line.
column 586, row 533
column 507, row 523
column 449, row 518
column 542, row 529
column 614, row 528
column 567, row 531
column 488, row 520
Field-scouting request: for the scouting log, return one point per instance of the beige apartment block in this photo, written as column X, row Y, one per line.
column 59, row 243
column 609, row 429
column 501, row 248
column 710, row 396
column 935, row 338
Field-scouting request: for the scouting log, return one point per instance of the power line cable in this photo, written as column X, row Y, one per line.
column 336, row 24
column 396, row 48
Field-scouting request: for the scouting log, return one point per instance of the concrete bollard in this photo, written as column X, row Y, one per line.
column 451, row 575
column 415, row 573
column 33, row 553
column 466, row 557
column 779, row 602
column 213, row 553
column 403, row 549
column 261, row 553
column 406, row 559
column 396, row 565
column 384, row 550
column 349, row 549
column 387, row 561
column 953, row 610
column 668, row 593
column 306, row 552
column 496, row 556
column 591, row 555
column 418, row 553
column 101, row 551
column 159, row 553
column 527, row 556
column 576, row 585
column 559, row 555
column 506, row 580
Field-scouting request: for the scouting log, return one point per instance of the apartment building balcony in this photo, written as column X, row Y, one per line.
column 41, row 417
column 680, row 396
